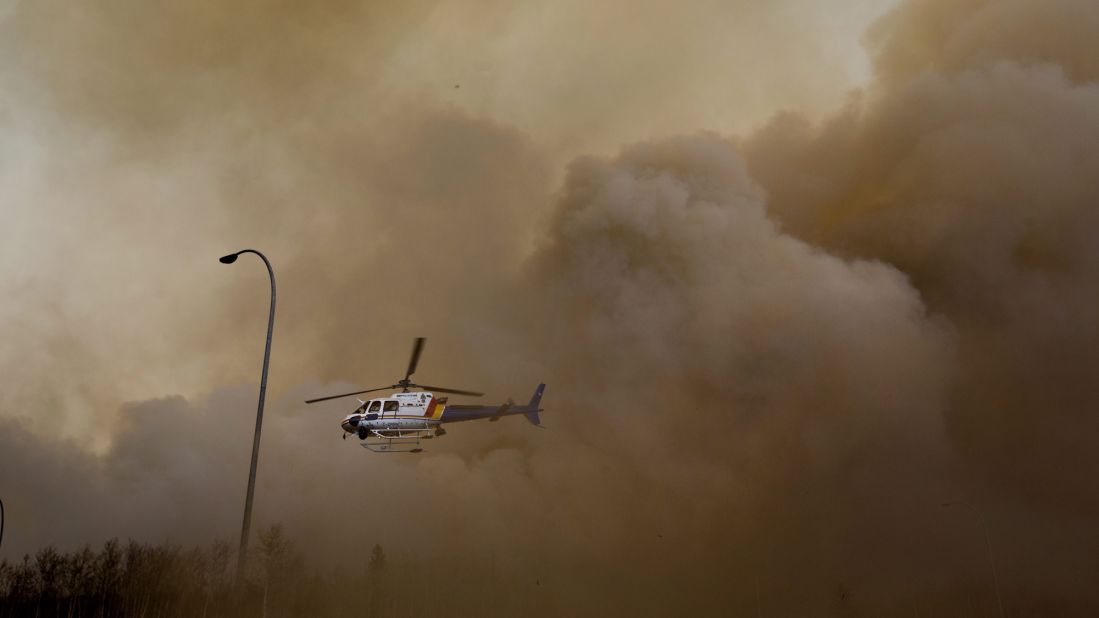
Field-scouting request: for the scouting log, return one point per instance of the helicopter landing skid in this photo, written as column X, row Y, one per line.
column 396, row 441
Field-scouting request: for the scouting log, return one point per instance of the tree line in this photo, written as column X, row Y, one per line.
column 166, row 580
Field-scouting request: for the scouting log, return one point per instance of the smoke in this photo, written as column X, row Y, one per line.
column 974, row 174
column 770, row 358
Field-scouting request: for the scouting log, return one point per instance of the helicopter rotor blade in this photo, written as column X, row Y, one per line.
column 369, row 390
column 417, row 348
column 454, row 391
column 405, row 384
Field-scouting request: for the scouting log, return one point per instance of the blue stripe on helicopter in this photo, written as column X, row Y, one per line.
column 468, row 413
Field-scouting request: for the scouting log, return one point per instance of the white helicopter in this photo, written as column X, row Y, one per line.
column 399, row 422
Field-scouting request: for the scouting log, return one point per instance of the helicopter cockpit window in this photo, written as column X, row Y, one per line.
column 392, row 406
column 375, row 406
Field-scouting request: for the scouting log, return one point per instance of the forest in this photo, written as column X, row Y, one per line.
column 135, row 579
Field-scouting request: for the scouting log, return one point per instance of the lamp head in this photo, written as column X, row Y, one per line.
column 228, row 259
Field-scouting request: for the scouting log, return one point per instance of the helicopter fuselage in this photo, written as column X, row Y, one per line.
column 419, row 415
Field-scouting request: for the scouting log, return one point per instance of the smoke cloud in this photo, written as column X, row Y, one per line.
column 772, row 353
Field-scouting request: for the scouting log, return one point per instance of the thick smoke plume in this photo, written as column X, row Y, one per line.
column 771, row 357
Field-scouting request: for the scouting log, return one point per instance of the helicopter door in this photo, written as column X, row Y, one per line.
column 392, row 407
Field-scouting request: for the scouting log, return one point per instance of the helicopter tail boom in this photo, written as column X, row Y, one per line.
column 456, row 413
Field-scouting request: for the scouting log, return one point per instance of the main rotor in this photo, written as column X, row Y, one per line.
column 406, row 383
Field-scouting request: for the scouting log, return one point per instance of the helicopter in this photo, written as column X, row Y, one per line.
column 399, row 423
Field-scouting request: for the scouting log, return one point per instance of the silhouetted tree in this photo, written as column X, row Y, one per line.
column 215, row 584
column 79, row 579
column 108, row 577
column 51, row 567
column 376, row 580
column 281, row 563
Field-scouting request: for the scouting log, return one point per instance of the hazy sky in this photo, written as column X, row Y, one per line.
column 795, row 274
column 139, row 142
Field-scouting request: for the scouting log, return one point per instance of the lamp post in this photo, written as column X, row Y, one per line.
column 988, row 546
column 229, row 259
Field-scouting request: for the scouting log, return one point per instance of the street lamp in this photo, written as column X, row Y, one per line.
column 229, row 259
column 988, row 545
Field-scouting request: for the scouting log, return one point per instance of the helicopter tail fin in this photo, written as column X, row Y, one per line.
column 535, row 400
column 537, row 397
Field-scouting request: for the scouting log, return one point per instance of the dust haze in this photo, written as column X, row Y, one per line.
column 795, row 277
